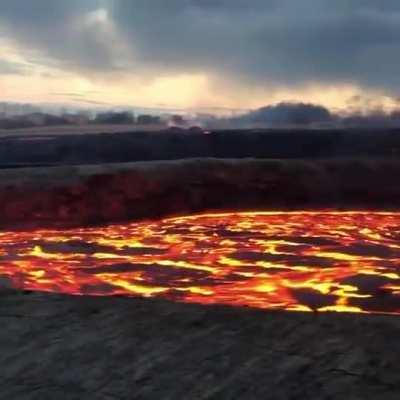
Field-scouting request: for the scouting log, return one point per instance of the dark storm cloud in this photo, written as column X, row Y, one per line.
column 265, row 41
column 52, row 27
column 273, row 41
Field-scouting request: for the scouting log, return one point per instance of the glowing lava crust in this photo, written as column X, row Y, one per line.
column 300, row 261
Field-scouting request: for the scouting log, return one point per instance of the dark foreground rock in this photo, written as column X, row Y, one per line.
column 56, row 347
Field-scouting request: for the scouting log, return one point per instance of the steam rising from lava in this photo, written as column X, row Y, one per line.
column 302, row 261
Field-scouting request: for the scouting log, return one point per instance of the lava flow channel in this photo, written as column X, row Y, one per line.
column 299, row 261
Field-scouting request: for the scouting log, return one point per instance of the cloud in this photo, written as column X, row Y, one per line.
column 12, row 68
column 268, row 41
column 251, row 43
column 71, row 34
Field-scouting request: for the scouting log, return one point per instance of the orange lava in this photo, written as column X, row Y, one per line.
column 299, row 261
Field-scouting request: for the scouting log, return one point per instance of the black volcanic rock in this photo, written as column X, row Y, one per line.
column 87, row 195
column 118, row 348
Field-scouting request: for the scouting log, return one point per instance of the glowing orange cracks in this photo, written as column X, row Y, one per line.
column 325, row 261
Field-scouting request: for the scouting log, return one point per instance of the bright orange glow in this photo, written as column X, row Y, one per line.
column 300, row 261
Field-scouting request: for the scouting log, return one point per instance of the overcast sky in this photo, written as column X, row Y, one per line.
column 194, row 53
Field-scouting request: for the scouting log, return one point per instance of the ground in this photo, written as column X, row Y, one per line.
column 100, row 194
column 66, row 348
column 60, row 347
column 58, row 146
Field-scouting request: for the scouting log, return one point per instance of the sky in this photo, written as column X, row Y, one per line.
column 201, row 54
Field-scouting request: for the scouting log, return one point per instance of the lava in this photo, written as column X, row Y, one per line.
column 297, row 261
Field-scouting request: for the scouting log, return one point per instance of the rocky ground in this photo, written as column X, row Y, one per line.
column 61, row 130
column 105, row 144
column 99, row 194
column 59, row 347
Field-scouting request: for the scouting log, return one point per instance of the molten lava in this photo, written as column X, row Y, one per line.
column 300, row 261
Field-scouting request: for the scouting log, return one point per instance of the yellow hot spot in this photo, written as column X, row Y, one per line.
column 340, row 256
column 390, row 275
column 349, row 292
column 341, row 308
column 132, row 287
column 244, row 225
column 39, row 253
column 197, row 290
column 265, row 288
column 172, row 239
column 109, row 256
column 371, row 234
column 37, row 274
column 299, row 308
column 228, row 243
column 322, row 287
column 230, row 262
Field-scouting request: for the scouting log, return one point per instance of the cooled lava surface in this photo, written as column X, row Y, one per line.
column 297, row 261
